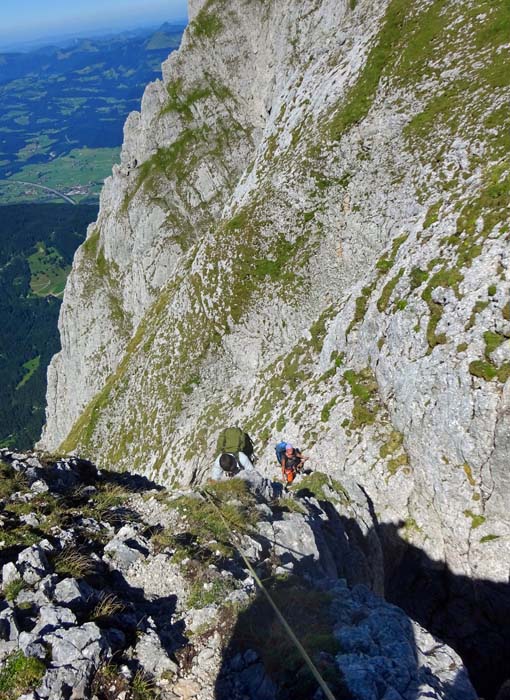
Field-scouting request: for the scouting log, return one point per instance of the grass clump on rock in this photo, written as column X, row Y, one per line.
column 364, row 390
column 11, row 481
column 233, row 511
column 323, row 487
column 20, row 675
column 71, row 561
column 13, row 589
column 204, row 593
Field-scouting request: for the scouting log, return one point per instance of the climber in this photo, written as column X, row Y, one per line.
column 235, row 440
column 229, row 464
column 235, row 454
column 291, row 462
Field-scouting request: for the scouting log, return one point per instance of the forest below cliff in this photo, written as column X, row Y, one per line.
column 37, row 245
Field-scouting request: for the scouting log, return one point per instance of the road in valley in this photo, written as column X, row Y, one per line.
column 41, row 187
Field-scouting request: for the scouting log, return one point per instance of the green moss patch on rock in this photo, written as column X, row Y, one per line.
column 388, row 289
column 492, row 342
column 207, row 22
column 448, row 279
column 323, row 487
column 381, row 58
column 392, row 444
column 383, row 265
column 20, row 675
column 361, row 305
column 418, row 277
column 364, row 390
column 181, row 101
column 486, row 369
column 476, row 520
column 477, row 308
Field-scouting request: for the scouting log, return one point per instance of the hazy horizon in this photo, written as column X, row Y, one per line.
column 59, row 21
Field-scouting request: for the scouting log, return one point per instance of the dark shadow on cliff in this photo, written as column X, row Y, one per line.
column 135, row 483
column 472, row 616
column 260, row 661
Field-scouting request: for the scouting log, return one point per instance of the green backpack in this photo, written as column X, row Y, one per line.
column 234, row 440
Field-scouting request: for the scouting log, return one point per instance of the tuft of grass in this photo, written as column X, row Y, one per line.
column 288, row 505
column 469, row 474
column 11, row 481
column 402, row 460
column 109, row 496
column 162, row 539
column 364, row 390
column 204, row 593
column 432, row 215
column 71, row 561
column 489, row 538
column 361, row 305
column 478, row 307
column 143, row 687
column 488, row 371
column 107, row 606
column 483, row 370
column 325, row 413
column 362, row 94
column 20, row 675
column 447, row 279
column 13, row 589
column 383, row 266
column 392, row 444
column 492, row 342
column 108, row 683
column 418, row 277
column 181, row 102
column 206, row 24
column 236, row 504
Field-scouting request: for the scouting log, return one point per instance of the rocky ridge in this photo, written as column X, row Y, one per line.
column 115, row 588
column 308, row 235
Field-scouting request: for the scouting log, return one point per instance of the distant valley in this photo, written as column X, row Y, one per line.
column 63, row 110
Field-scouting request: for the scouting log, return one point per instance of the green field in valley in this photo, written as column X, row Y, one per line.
column 48, row 271
column 64, row 108
column 79, row 174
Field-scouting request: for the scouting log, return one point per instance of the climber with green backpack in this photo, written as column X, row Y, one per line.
column 235, row 454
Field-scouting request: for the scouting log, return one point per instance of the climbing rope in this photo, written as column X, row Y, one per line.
column 306, row 658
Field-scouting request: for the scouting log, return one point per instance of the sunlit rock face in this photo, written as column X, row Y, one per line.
column 308, row 235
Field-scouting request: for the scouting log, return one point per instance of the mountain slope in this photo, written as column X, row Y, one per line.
column 308, row 235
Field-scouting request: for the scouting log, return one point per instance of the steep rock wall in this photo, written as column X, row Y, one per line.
column 308, row 235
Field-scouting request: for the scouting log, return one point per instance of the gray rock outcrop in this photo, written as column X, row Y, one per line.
column 186, row 620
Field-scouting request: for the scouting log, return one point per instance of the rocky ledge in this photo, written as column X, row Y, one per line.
column 112, row 587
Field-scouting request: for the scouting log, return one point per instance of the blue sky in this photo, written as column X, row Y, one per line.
column 24, row 20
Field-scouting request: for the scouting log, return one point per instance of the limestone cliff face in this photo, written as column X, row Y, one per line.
column 308, row 235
